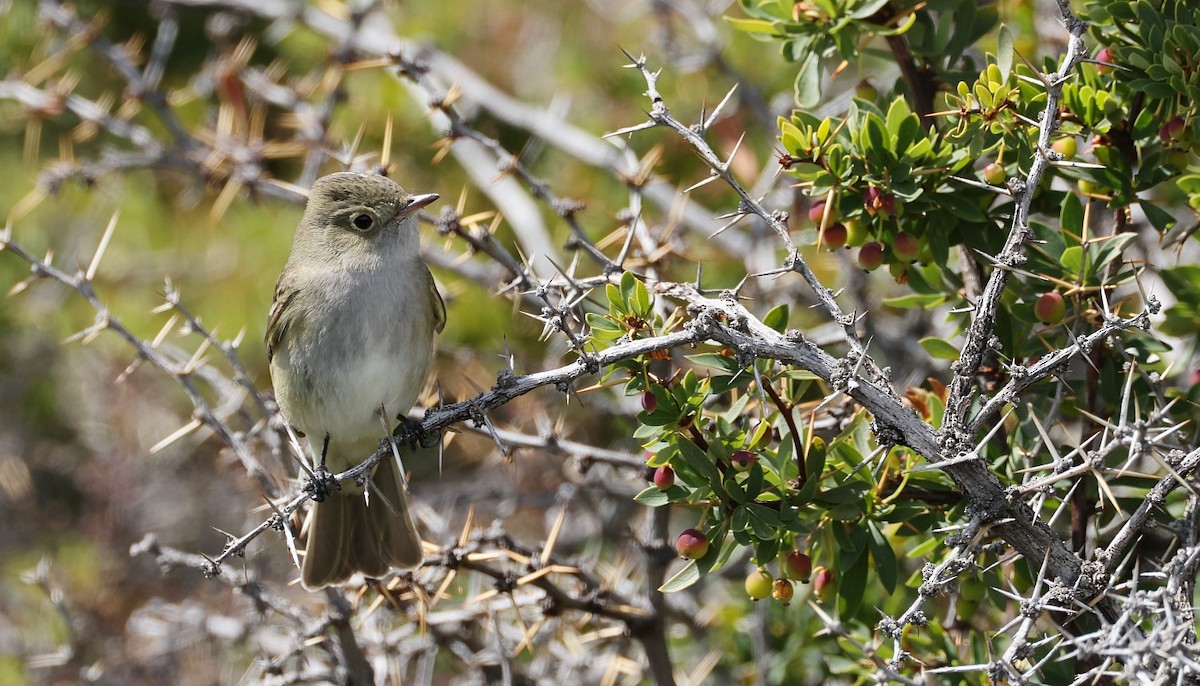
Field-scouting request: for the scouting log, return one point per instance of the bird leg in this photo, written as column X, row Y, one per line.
column 322, row 483
column 411, row 433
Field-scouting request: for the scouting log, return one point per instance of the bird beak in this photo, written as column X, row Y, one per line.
column 416, row 202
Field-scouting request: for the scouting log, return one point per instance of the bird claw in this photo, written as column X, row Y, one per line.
column 411, row 433
column 321, row 484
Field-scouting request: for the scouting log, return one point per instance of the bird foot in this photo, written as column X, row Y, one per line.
column 321, row 484
column 411, row 433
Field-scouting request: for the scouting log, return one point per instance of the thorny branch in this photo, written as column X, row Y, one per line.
column 660, row 115
column 184, row 373
column 1012, row 255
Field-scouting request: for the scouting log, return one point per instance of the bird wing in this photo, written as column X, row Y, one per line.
column 439, row 306
column 277, row 322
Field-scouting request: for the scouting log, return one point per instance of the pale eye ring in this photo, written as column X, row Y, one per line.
column 362, row 221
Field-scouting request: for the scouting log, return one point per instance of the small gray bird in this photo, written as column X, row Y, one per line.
column 349, row 341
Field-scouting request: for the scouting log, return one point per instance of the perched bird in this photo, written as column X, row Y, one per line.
column 349, row 340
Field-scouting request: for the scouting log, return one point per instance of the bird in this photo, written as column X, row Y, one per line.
column 350, row 338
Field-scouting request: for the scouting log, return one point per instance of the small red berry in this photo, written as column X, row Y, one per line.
column 798, row 566
column 1172, row 132
column 906, row 247
column 742, row 460
column 664, row 477
column 835, row 236
column 817, row 212
column 692, row 544
column 1105, row 55
column 877, row 201
column 870, row 256
column 649, row 401
column 823, row 583
column 1050, row 308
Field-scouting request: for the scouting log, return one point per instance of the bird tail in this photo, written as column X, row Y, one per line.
column 348, row 535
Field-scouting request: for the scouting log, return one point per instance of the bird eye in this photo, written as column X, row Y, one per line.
column 362, row 221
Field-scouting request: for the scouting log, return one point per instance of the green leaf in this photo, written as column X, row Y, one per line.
column 1072, row 260
column 641, row 298
column 791, row 137
column 910, row 129
column 1102, row 254
column 877, row 137
column 939, row 348
column 761, row 524
column 755, row 26
column 734, row 488
column 807, row 171
column 766, row 550
column 616, row 303
column 652, row 497
column 603, row 328
column 765, row 514
column 924, row 547
column 915, row 300
column 628, row 286
column 885, row 558
column 759, row 9
column 897, row 112
column 867, row 9
column 699, row 462
column 852, row 586
column 1004, row 53
column 936, row 410
column 847, row 512
column 846, row 493
column 1182, row 319
column 596, row 321
column 808, row 82
column 777, row 318
column 814, row 465
column 840, row 664
column 961, row 205
column 801, row 374
column 1071, row 214
column 661, row 455
column 719, row 548
column 739, row 521
column 757, row 434
column 1054, row 238
column 726, row 364
column 646, row 431
column 682, row 579
column 1181, row 282
column 1157, row 216
column 851, row 543
column 689, row 384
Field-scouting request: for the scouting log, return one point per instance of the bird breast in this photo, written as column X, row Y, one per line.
column 367, row 346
